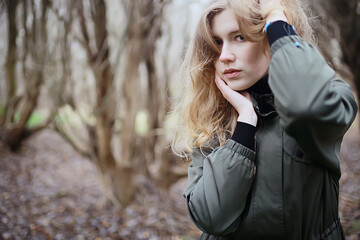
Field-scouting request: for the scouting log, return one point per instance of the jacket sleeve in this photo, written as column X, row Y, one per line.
column 315, row 108
column 218, row 186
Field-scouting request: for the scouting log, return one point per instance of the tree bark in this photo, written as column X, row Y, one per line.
column 15, row 132
column 144, row 29
column 10, row 63
column 130, row 142
column 157, row 100
column 117, row 179
column 342, row 21
column 104, row 80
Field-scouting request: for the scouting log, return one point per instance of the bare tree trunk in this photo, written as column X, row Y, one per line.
column 15, row 132
column 342, row 21
column 117, row 179
column 144, row 29
column 11, row 57
column 61, row 96
column 131, row 144
column 104, row 80
column 140, row 48
column 157, row 101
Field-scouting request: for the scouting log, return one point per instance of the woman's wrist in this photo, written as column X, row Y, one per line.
column 245, row 135
column 248, row 117
column 276, row 15
column 277, row 30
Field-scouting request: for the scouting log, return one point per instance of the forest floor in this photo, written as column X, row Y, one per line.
column 48, row 191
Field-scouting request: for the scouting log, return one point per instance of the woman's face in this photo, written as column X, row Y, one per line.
column 241, row 63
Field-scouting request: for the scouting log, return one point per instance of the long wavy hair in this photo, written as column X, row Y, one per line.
column 207, row 120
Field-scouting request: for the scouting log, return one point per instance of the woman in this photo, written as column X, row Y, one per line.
column 263, row 117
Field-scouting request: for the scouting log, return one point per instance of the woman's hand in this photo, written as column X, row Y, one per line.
column 274, row 6
column 240, row 101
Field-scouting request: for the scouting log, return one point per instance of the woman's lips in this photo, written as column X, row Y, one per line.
column 232, row 74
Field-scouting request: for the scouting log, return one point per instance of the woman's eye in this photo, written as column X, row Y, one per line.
column 218, row 42
column 239, row 38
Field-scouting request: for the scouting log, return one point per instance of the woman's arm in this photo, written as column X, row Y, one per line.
column 218, row 187
column 315, row 107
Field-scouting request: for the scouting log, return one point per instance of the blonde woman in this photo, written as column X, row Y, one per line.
column 262, row 118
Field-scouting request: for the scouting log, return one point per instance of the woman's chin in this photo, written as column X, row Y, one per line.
column 239, row 86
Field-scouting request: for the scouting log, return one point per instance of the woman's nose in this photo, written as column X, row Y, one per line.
column 226, row 54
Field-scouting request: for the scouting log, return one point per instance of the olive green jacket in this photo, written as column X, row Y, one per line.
column 289, row 187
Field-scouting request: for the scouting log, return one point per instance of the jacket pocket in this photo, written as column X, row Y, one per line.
column 292, row 148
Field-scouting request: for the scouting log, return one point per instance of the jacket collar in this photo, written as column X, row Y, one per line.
column 263, row 99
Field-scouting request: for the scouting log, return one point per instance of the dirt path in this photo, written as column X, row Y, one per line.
column 48, row 191
column 350, row 183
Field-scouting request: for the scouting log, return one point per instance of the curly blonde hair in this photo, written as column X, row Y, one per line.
column 207, row 120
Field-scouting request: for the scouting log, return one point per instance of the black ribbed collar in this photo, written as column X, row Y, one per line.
column 261, row 86
column 263, row 98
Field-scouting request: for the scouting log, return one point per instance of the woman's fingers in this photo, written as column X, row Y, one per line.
column 246, row 95
column 241, row 101
column 220, row 83
column 272, row 10
column 266, row 4
column 228, row 93
column 238, row 100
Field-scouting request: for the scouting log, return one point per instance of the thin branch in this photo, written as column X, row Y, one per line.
column 72, row 138
column 71, row 141
column 86, row 42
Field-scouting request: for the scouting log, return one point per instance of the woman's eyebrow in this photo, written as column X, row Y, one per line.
column 235, row 31
column 232, row 32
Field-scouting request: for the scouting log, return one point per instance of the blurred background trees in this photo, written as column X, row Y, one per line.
column 338, row 23
column 100, row 72
column 103, row 74
column 31, row 55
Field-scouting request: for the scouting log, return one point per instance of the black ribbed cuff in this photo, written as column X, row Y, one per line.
column 245, row 135
column 278, row 30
